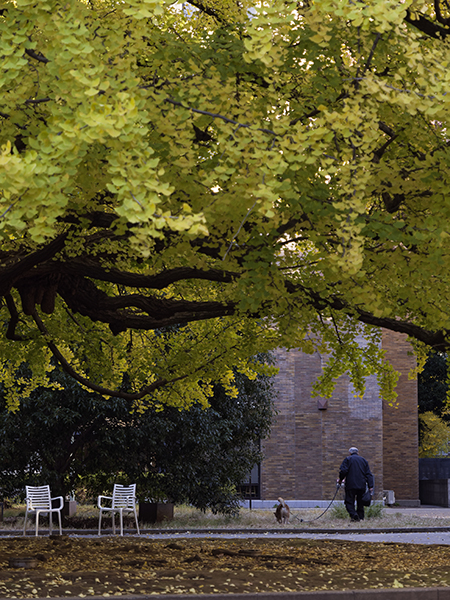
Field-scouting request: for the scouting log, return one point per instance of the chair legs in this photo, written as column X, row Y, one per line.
column 37, row 522
column 113, row 517
column 50, row 517
column 60, row 522
column 50, row 522
column 25, row 523
column 137, row 524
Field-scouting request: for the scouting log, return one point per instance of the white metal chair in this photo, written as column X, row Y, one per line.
column 122, row 500
column 39, row 501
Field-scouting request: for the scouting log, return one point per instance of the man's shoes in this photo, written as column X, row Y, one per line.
column 355, row 518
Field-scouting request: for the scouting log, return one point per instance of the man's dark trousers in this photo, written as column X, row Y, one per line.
column 350, row 497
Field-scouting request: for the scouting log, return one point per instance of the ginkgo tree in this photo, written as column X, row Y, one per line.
column 185, row 184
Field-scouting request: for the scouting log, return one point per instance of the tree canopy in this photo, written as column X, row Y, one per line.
column 183, row 184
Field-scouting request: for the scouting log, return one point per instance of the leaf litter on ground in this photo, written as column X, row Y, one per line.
column 113, row 566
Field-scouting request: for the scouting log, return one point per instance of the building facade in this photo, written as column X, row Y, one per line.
column 311, row 436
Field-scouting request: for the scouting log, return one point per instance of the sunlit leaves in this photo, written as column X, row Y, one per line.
column 301, row 148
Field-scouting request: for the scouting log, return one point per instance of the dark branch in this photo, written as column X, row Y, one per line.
column 10, row 274
column 84, row 267
column 36, row 55
column 425, row 26
column 81, row 295
column 14, row 320
column 438, row 340
column 209, row 11
column 37, row 100
column 439, row 17
column 217, row 116
column 92, row 386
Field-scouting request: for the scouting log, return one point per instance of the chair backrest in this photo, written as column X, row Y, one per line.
column 38, row 497
column 123, row 496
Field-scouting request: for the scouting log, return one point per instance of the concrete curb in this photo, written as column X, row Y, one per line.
column 219, row 532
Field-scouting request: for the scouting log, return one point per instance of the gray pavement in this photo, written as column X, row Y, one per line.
column 438, row 533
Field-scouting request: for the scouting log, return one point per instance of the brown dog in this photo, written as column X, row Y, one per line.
column 282, row 512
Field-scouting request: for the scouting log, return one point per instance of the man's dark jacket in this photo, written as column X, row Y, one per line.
column 356, row 472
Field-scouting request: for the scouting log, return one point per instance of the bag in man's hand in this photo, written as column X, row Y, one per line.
column 367, row 498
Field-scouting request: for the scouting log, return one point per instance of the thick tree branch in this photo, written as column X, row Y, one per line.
column 88, row 268
column 14, row 320
column 438, row 340
column 82, row 296
column 425, row 26
column 10, row 273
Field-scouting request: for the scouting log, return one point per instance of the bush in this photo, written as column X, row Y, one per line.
column 338, row 511
column 374, row 511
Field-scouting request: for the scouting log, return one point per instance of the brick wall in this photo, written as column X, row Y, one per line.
column 400, row 429
column 293, row 456
column 307, row 445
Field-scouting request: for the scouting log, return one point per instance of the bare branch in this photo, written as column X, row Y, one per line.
column 216, row 116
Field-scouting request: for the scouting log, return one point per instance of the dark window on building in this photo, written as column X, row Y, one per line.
column 250, row 488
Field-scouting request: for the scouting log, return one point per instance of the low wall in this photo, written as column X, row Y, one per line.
column 434, row 468
column 435, row 492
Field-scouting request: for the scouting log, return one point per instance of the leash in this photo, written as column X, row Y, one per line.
column 338, row 486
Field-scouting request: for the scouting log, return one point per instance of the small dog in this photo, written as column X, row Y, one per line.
column 282, row 512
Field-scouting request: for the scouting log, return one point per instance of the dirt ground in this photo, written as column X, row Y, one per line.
column 114, row 566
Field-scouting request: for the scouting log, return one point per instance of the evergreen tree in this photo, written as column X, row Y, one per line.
column 75, row 439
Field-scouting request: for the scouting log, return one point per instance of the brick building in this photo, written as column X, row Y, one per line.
column 311, row 436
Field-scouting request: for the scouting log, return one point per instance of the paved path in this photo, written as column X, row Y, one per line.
column 438, row 533
column 398, row 537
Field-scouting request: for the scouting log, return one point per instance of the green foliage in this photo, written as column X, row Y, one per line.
column 434, row 436
column 433, row 386
column 73, row 439
column 338, row 511
column 434, row 415
column 374, row 511
column 183, row 185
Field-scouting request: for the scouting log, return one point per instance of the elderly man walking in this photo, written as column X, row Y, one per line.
column 356, row 472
